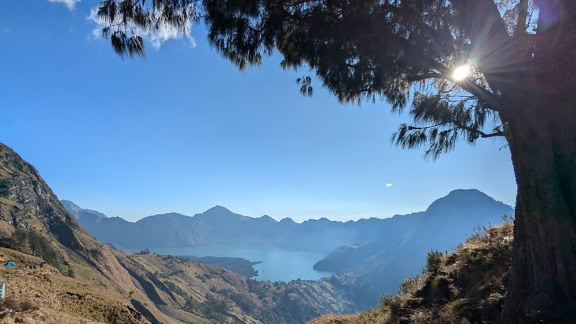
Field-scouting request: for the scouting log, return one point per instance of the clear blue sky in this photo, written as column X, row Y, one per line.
column 184, row 130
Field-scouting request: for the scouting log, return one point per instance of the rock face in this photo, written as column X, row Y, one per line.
column 27, row 201
column 33, row 221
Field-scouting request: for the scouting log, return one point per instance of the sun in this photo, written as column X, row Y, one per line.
column 461, row 72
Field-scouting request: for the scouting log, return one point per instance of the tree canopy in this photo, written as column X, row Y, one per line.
column 402, row 51
column 465, row 69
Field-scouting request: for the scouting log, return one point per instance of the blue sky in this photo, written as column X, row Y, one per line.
column 184, row 130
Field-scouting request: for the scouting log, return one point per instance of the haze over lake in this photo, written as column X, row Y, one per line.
column 276, row 264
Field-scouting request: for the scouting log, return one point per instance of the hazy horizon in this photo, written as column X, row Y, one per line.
column 272, row 216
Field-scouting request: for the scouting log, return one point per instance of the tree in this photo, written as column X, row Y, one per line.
column 467, row 69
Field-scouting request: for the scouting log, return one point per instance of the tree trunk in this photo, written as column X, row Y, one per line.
column 543, row 280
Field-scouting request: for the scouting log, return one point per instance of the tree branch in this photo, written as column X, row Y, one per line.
column 522, row 16
column 488, row 97
column 425, row 76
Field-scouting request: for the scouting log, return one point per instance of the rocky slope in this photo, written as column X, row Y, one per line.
column 464, row 286
column 83, row 281
column 197, row 292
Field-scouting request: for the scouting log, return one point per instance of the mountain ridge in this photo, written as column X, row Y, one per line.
column 219, row 225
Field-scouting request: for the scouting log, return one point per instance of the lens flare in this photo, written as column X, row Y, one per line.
column 461, row 72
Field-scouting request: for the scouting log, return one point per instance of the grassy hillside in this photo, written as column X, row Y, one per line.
column 464, row 286
column 43, row 295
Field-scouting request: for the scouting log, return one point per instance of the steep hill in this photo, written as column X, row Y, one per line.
column 464, row 286
column 64, row 275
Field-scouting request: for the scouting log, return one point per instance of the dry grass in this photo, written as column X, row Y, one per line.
column 466, row 287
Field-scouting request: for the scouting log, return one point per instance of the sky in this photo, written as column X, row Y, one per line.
column 183, row 130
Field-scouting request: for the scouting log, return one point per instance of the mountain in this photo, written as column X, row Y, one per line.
column 379, row 267
column 466, row 285
column 64, row 275
column 33, row 221
column 219, row 225
column 370, row 257
column 81, row 213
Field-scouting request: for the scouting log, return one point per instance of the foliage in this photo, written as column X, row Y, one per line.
column 4, row 188
column 33, row 242
column 433, row 262
column 403, row 51
column 409, row 285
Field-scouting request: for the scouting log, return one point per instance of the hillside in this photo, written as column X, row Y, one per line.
column 376, row 268
column 83, row 281
column 193, row 292
column 464, row 286
column 43, row 295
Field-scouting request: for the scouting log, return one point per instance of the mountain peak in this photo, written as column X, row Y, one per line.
column 218, row 209
column 268, row 219
column 463, row 198
column 287, row 220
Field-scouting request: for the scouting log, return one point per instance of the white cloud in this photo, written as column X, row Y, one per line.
column 68, row 3
column 156, row 36
column 388, row 185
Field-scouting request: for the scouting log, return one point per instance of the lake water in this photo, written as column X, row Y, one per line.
column 277, row 264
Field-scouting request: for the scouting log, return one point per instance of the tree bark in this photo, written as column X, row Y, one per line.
column 543, row 279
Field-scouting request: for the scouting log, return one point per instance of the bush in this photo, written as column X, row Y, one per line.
column 409, row 285
column 392, row 305
column 33, row 242
column 433, row 262
column 11, row 303
column 4, row 189
column 440, row 281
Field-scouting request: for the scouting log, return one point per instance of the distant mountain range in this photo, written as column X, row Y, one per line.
column 370, row 256
column 451, row 217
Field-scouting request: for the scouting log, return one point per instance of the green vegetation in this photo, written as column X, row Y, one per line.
column 3, row 188
column 33, row 242
column 433, row 262
column 454, row 288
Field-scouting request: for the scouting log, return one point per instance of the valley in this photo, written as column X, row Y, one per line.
column 194, row 275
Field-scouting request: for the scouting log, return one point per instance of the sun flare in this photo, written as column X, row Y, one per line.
column 461, row 72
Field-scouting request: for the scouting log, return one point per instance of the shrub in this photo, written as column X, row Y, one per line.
column 433, row 262
column 391, row 305
column 4, row 189
column 11, row 303
column 33, row 242
column 409, row 285
column 440, row 281
column 478, row 234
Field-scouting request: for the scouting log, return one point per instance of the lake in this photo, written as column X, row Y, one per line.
column 277, row 264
